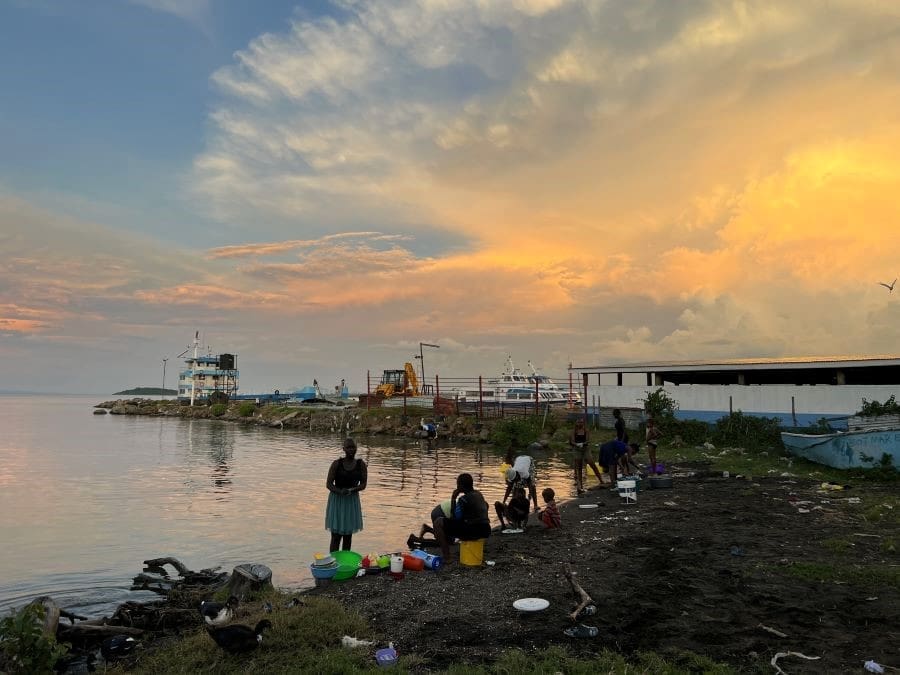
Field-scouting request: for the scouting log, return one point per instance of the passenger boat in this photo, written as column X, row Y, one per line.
column 514, row 387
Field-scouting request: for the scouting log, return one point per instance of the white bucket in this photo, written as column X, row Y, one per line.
column 628, row 491
column 396, row 564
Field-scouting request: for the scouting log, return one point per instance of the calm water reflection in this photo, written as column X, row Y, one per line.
column 84, row 498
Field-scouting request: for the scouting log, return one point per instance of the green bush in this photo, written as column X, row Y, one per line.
column 660, row 406
column 247, row 409
column 747, row 431
column 22, row 640
column 692, row 432
column 516, row 433
column 217, row 397
column 218, row 409
column 874, row 408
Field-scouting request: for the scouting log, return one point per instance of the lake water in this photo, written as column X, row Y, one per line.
column 84, row 498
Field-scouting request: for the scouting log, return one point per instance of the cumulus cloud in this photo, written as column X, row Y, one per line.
column 655, row 156
column 580, row 179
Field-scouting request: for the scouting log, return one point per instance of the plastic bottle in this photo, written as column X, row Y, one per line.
column 432, row 562
column 412, row 563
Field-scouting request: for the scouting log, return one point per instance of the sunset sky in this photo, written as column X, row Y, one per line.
column 319, row 186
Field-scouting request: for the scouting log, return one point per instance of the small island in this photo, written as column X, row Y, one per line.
column 147, row 391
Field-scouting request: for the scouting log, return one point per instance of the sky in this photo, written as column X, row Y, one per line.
column 318, row 187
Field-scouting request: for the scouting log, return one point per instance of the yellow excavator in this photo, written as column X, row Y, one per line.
column 396, row 382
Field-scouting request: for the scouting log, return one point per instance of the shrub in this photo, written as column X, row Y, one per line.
column 218, row 409
column 740, row 430
column 24, row 644
column 217, row 397
column 516, row 433
column 874, row 408
column 660, row 406
column 247, row 409
column 692, row 432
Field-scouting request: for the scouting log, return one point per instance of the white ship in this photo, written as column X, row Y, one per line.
column 513, row 387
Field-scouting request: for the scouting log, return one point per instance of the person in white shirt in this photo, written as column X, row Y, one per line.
column 520, row 473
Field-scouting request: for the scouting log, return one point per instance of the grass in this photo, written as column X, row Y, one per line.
column 868, row 577
column 307, row 640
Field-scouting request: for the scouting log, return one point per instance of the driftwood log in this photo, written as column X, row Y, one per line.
column 89, row 631
column 155, row 577
column 146, row 620
column 249, row 578
column 581, row 595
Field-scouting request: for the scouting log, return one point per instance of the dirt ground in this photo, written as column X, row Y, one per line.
column 701, row 567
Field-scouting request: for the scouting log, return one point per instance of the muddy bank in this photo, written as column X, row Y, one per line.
column 718, row 566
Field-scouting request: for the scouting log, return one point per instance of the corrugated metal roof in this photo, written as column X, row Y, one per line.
column 781, row 363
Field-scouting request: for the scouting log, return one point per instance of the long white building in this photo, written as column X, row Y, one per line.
column 799, row 391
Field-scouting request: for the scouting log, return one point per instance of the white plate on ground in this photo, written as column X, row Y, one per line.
column 587, row 506
column 512, row 531
column 531, row 604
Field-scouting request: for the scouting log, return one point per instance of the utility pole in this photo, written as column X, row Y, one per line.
column 163, row 393
column 422, row 357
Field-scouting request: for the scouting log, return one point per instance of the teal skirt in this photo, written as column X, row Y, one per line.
column 343, row 515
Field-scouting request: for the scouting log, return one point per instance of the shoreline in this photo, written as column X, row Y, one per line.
column 697, row 568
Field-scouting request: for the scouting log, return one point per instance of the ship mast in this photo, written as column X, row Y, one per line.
column 194, row 366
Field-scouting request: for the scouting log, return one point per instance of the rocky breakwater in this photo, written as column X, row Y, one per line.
column 347, row 419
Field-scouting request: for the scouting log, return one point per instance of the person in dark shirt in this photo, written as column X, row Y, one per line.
column 610, row 454
column 516, row 512
column 470, row 516
column 347, row 477
column 621, row 433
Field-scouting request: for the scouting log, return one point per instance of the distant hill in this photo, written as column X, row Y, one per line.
column 147, row 391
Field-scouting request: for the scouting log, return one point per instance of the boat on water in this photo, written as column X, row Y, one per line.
column 515, row 387
column 869, row 443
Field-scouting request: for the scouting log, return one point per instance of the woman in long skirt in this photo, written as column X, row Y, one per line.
column 347, row 477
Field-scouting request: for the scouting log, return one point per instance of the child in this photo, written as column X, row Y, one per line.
column 652, row 439
column 516, row 511
column 550, row 514
column 627, row 465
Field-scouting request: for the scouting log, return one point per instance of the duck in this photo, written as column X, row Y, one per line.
column 116, row 646
column 216, row 613
column 238, row 638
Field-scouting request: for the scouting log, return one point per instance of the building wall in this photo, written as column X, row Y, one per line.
column 709, row 402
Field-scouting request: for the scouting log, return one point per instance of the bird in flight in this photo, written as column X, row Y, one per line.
column 889, row 287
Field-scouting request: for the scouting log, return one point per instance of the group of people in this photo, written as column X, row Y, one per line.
column 465, row 515
column 615, row 455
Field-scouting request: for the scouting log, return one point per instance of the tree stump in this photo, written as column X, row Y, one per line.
column 51, row 614
column 249, row 578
